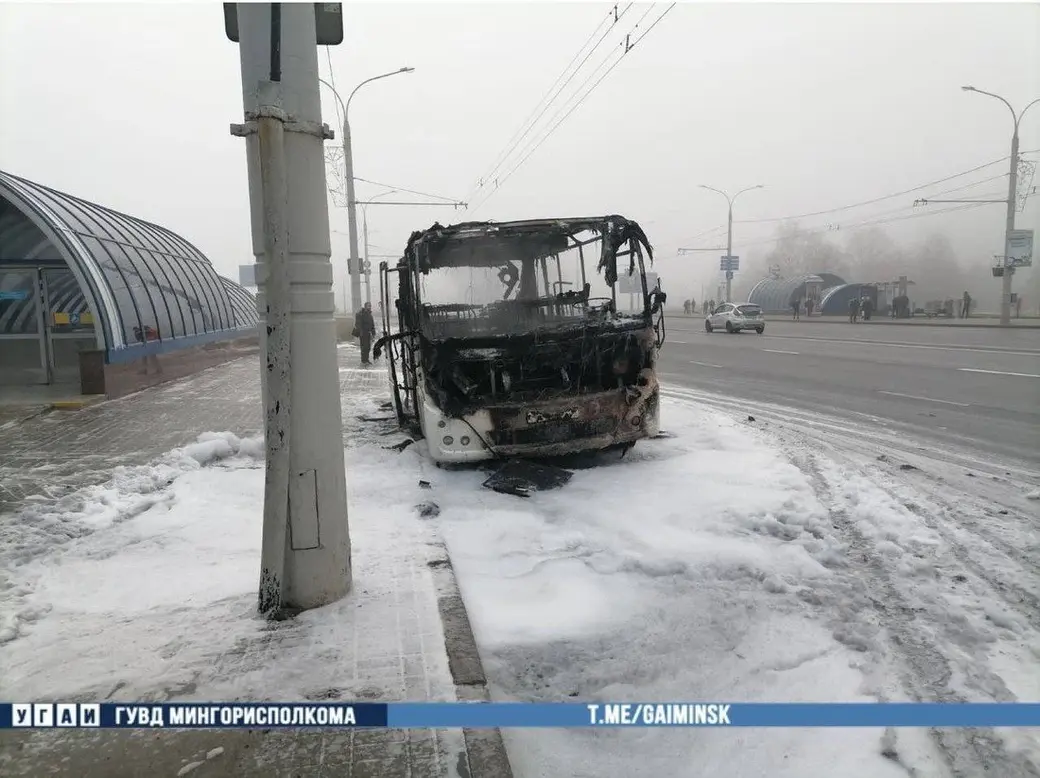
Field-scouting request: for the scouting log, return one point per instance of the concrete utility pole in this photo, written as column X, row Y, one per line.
column 305, row 560
column 729, row 230
column 1005, row 295
column 348, row 164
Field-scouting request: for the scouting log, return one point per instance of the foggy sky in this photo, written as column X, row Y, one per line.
column 825, row 104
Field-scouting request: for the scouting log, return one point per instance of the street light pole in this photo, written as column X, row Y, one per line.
column 305, row 557
column 729, row 230
column 364, row 230
column 348, row 164
column 1009, row 226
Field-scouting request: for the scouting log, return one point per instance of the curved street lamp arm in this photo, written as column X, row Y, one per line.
column 713, row 189
column 370, row 80
column 340, row 99
column 738, row 194
column 1019, row 119
column 1014, row 118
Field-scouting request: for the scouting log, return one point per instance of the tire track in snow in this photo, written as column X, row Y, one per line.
column 958, row 509
column 898, row 618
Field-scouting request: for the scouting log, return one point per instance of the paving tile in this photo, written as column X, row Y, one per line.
column 399, row 647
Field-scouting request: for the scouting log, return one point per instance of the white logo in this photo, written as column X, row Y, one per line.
column 21, row 714
column 90, row 715
column 43, row 714
column 67, row 715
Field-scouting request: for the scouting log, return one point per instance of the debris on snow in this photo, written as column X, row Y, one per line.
column 188, row 768
column 1033, row 495
column 428, row 510
column 213, row 753
column 521, row 477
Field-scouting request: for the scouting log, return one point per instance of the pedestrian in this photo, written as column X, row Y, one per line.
column 868, row 308
column 364, row 331
column 853, row 310
column 693, row 305
column 796, row 309
column 966, row 305
column 711, row 307
column 686, row 307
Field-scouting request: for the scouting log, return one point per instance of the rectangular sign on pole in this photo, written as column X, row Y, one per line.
column 247, row 275
column 631, row 284
column 1020, row 248
column 729, row 264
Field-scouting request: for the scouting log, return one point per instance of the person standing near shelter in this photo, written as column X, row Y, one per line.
column 796, row 309
column 853, row 310
column 868, row 308
column 965, row 305
column 364, row 331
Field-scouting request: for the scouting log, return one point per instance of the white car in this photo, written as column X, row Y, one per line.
column 734, row 317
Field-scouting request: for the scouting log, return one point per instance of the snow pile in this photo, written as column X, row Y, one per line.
column 163, row 606
column 44, row 526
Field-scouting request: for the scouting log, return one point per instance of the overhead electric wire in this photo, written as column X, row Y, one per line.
column 409, row 191
column 628, row 46
column 872, row 201
column 332, row 83
column 873, row 222
column 833, row 228
column 535, row 115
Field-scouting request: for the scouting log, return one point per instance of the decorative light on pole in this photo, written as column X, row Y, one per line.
column 1008, row 269
column 348, row 164
column 729, row 229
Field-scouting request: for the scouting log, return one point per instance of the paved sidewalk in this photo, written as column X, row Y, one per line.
column 404, row 605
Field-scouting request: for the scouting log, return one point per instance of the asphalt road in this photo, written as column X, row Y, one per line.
column 973, row 389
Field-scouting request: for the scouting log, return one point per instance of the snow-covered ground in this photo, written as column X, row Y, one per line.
column 773, row 560
column 144, row 588
column 734, row 562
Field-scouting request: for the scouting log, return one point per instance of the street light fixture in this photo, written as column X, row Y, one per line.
column 1005, row 296
column 729, row 229
column 348, row 163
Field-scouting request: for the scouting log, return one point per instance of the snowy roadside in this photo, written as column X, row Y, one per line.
column 727, row 563
column 738, row 564
column 144, row 588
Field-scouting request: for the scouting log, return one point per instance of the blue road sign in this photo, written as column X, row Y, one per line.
column 15, row 294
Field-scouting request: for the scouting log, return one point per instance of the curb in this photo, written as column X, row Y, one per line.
column 76, row 405
column 485, row 749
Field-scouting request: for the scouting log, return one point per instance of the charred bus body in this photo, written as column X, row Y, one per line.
column 508, row 341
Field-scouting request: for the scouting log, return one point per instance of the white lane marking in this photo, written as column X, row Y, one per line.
column 680, row 342
column 926, row 399
column 705, row 364
column 997, row 372
column 779, row 351
column 915, row 345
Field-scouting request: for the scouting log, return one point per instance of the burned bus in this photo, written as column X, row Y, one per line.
column 507, row 339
